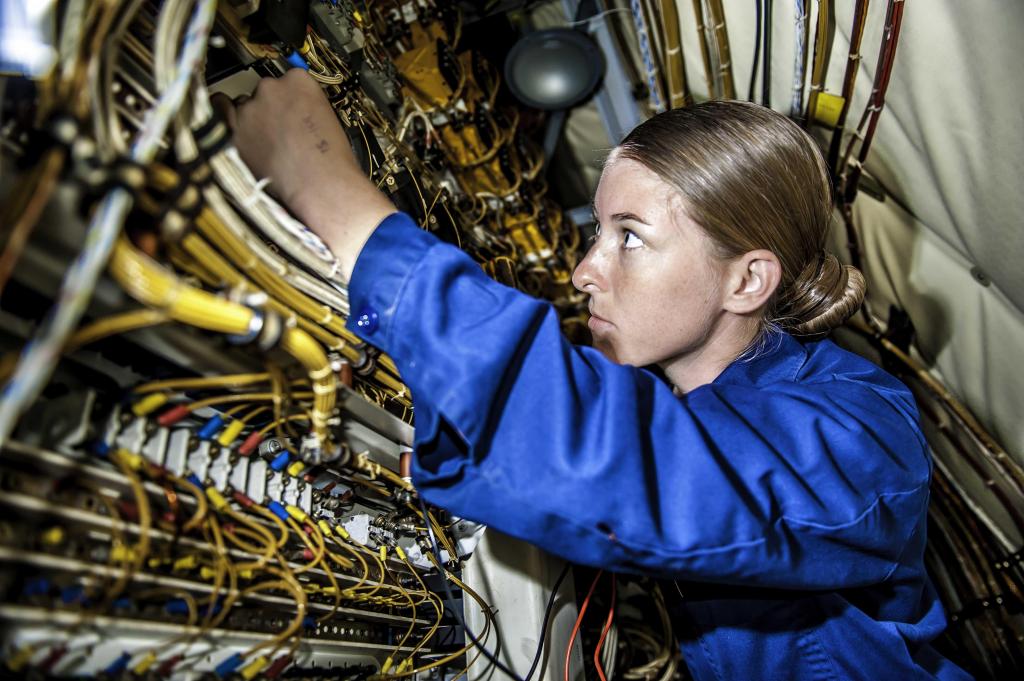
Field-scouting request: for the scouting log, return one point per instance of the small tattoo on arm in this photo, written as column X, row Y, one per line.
column 323, row 146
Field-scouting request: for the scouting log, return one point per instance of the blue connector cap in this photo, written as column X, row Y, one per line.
column 278, row 510
column 194, row 479
column 176, row 606
column 229, row 665
column 73, row 594
column 101, row 448
column 118, row 665
column 280, row 462
column 211, row 427
column 308, row 622
column 37, row 586
column 123, row 603
column 297, row 62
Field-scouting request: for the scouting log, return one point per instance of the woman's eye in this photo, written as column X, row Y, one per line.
column 631, row 240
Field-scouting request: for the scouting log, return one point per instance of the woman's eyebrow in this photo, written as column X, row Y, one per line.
column 629, row 216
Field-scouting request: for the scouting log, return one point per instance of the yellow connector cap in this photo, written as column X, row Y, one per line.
column 250, row 670
column 297, row 513
column 228, row 435
column 383, row 552
column 53, row 536
column 20, row 658
column 216, row 498
column 296, row 468
column 399, row 551
column 122, row 554
column 325, row 528
column 130, row 459
column 186, row 563
column 149, row 404
column 144, row 664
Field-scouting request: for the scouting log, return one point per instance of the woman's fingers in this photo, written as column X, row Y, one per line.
column 225, row 106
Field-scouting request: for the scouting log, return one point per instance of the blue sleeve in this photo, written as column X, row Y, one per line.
column 790, row 485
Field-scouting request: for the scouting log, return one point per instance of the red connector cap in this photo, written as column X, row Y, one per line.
column 250, row 443
column 168, row 665
column 173, row 415
column 241, row 498
column 279, row 665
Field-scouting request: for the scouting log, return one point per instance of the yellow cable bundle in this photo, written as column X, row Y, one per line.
column 151, row 284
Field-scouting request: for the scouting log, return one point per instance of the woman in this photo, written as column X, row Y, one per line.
column 781, row 484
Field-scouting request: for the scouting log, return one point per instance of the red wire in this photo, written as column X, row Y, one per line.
column 579, row 621
column 604, row 634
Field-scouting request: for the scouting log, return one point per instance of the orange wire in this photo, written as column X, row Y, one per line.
column 579, row 621
column 604, row 634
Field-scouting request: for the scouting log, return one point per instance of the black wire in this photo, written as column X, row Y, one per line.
column 544, row 624
column 451, row 600
column 757, row 51
column 766, row 76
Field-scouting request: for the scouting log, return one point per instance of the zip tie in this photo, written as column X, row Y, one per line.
column 255, row 196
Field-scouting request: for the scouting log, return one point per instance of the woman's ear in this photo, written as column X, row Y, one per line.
column 751, row 280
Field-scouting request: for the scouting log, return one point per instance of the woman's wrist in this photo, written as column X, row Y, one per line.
column 344, row 219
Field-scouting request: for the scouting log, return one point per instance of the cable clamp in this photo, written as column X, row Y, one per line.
column 212, row 136
column 265, row 329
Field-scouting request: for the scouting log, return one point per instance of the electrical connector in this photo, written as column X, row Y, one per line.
column 150, row 403
column 118, row 665
column 297, row 513
column 278, row 510
column 51, row 660
column 37, row 586
column 144, row 664
column 73, row 594
column 280, row 461
column 229, row 665
column 53, row 536
column 250, row 443
column 229, row 434
column 211, row 427
column 20, row 658
column 168, row 665
column 216, row 498
column 173, row 415
column 278, row 666
column 242, row 499
column 250, row 670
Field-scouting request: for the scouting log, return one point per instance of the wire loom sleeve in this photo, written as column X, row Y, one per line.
column 804, row 468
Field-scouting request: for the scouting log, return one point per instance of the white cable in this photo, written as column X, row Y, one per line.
column 40, row 355
column 645, row 52
column 796, row 107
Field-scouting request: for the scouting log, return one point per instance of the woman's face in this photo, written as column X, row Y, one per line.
column 655, row 285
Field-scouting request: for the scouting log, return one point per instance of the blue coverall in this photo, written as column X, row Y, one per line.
column 787, row 498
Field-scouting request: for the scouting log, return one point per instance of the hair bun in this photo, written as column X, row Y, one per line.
column 825, row 295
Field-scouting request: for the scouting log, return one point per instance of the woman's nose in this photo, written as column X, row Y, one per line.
column 588, row 277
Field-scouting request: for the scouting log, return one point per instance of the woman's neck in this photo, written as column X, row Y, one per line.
column 727, row 340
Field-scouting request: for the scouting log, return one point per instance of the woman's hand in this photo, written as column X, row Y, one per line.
column 288, row 132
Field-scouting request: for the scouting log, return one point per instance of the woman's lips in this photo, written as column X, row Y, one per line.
column 599, row 324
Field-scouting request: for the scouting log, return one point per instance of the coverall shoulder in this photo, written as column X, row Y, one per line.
column 784, row 503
